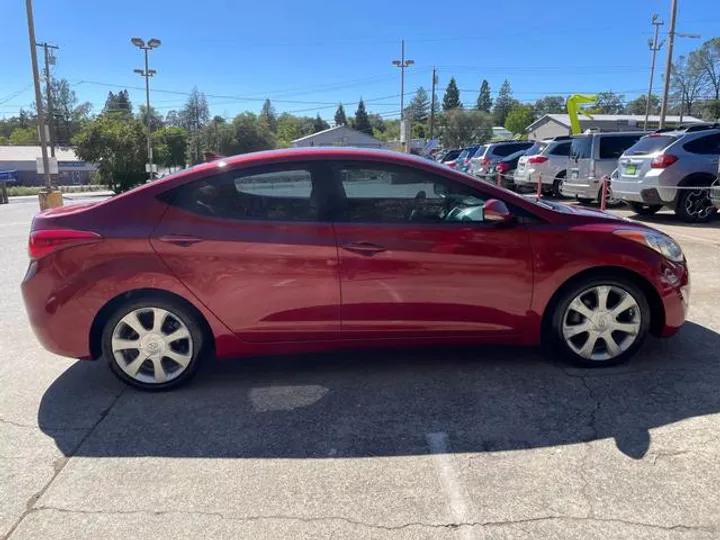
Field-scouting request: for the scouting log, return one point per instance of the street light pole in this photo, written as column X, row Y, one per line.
column 147, row 73
column 402, row 64
column 668, row 65
column 654, row 47
column 38, row 95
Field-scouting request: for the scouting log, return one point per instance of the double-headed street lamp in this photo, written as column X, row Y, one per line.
column 402, row 64
column 147, row 73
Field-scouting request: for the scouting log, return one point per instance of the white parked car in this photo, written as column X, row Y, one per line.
column 548, row 162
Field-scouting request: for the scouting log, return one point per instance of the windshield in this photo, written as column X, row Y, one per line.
column 650, row 144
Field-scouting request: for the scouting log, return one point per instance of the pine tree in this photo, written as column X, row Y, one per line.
column 503, row 104
column 362, row 122
column 319, row 124
column 340, row 118
column 268, row 114
column 451, row 99
column 419, row 107
column 484, row 101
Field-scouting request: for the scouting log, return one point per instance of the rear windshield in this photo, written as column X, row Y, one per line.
column 649, row 145
column 613, row 146
column 503, row 150
column 535, row 149
column 580, row 148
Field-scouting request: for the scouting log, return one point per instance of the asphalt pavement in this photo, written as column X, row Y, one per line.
column 449, row 443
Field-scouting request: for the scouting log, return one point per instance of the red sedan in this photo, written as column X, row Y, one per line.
column 328, row 248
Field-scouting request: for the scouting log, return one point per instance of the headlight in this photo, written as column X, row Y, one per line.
column 661, row 243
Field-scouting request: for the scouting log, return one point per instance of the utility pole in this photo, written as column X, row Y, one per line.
column 668, row 66
column 147, row 73
column 432, row 105
column 48, row 90
column 402, row 64
column 654, row 47
column 38, row 95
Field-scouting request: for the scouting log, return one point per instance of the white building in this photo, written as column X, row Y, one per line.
column 23, row 159
column 338, row 136
column 554, row 125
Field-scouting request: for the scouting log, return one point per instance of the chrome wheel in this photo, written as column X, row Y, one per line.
column 601, row 322
column 152, row 345
column 698, row 204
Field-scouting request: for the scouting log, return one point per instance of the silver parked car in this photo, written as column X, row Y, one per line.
column 593, row 156
column 653, row 169
column 490, row 154
column 548, row 162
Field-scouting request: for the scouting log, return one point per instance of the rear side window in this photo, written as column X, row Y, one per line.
column 504, row 150
column 613, row 146
column 580, row 148
column 536, row 148
column 452, row 154
column 708, row 145
column 650, row 145
column 263, row 194
column 560, row 149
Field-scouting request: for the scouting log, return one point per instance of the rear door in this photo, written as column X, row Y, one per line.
column 254, row 246
column 417, row 260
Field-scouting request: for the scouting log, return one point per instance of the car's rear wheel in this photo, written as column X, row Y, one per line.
column 695, row 206
column 601, row 322
column 153, row 344
column 643, row 209
column 557, row 186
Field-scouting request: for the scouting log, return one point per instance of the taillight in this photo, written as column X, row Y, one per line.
column 537, row 159
column 502, row 167
column 662, row 161
column 44, row 242
column 486, row 161
column 452, row 164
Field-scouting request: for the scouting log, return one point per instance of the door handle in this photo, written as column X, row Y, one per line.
column 180, row 239
column 363, row 248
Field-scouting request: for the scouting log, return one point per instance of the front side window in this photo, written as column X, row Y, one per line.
column 613, row 146
column 380, row 193
column 290, row 193
column 561, row 149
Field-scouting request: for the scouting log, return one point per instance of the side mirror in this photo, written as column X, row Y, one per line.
column 495, row 211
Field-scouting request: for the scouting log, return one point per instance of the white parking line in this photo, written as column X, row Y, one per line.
column 458, row 502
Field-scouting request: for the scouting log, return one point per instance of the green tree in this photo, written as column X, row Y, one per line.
column 711, row 111
column 172, row 119
column 193, row 117
column 550, row 105
column 169, row 146
column 461, row 128
column 484, row 101
column 451, row 99
column 707, row 60
column 687, row 83
column 519, row 118
column 154, row 118
column 637, row 106
column 68, row 114
column 319, row 124
column 609, row 103
column 118, row 103
column 419, row 108
column 116, row 143
column 378, row 124
column 23, row 137
column 340, row 118
column 503, row 104
column 268, row 114
column 362, row 122
column 251, row 135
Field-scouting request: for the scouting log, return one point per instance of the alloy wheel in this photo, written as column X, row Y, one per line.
column 152, row 345
column 601, row 322
column 698, row 204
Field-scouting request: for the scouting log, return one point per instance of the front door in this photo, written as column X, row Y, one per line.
column 417, row 259
column 252, row 245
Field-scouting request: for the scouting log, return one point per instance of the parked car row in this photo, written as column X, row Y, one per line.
column 673, row 168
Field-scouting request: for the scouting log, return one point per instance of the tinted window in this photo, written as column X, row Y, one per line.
column 468, row 152
column 452, row 154
column 613, row 146
column 704, row 145
column 536, row 148
column 580, row 148
column 560, row 149
column 504, row 150
column 380, row 193
column 267, row 194
column 649, row 145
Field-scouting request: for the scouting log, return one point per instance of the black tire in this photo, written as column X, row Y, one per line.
column 178, row 311
column 643, row 209
column 557, row 186
column 558, row 343
column 695, row 206
column 586, row 202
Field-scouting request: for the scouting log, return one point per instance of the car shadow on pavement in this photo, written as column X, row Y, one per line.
column 386, row 403
column 669, row 218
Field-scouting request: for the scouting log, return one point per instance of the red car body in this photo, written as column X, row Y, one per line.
column 277, row 287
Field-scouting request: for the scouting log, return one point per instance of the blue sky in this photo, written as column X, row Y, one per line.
column 309, row 55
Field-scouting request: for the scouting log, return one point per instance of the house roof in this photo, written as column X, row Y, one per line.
column 31, row 153
column 337, row 128
column 564, row 119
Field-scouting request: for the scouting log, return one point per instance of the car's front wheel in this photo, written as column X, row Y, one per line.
column 154, row 343
column 601, row 322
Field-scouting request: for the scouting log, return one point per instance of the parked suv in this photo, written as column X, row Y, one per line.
column 463, row 160
column 492, row 153
column 549, row 162
column 593, row 156
column 653, row 169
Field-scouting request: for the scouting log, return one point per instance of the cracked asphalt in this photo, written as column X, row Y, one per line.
column 461, row 443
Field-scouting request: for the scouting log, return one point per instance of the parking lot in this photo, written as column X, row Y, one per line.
column 468, row 443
